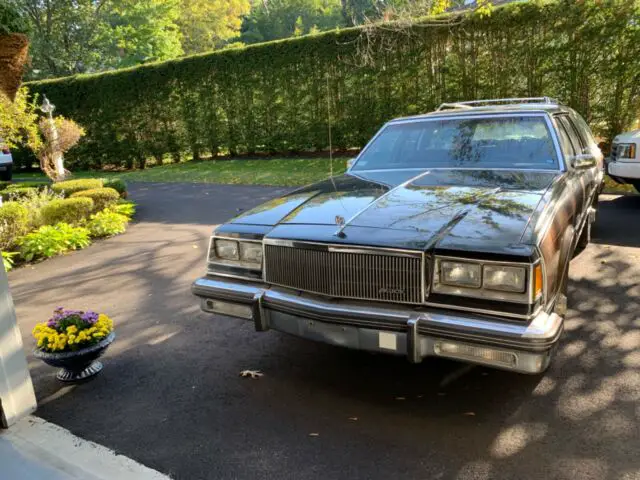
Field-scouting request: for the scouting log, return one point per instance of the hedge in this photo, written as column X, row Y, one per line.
column 272, row 97
column 67, row 210
column 102, row 197
column 69, row 187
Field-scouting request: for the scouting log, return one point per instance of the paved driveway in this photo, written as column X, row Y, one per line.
column 170, row 395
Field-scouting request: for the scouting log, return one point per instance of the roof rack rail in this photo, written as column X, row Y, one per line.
column 498, row 101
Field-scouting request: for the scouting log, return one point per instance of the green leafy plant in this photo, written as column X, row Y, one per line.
column 102, row 197
column 117, row 184
column 7, row 260
column 13, row 18
column 67, row 210
column 17, row 192
column 34, row 201
column 14, row 221
column 69, row 187
column 51, row 240
column 19, row 120
column 107, row 223
column 38, row 185
column 124, row 207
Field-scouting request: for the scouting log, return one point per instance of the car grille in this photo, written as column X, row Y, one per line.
column 362, row 274
column 613, row 156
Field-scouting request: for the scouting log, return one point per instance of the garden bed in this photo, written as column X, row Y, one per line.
column 39, row 220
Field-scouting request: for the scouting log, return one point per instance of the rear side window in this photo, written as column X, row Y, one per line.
column 567, row 146
column 584, row 131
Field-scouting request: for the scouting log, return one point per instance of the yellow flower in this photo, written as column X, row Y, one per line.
column 72, row 329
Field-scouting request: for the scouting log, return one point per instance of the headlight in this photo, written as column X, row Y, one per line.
column 251, row 252
column 461, row 274
column 225, row 249
column 240, row 253
column 626, row 150
column 507, row 279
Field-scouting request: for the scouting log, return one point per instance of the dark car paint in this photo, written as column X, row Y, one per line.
column 437, row 209
column 487, row 214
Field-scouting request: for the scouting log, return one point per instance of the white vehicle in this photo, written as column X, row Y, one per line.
column 624, row 163
column 6, row 162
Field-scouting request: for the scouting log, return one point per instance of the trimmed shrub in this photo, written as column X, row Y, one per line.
column 38, row 185
column 107, row 223
column 67, row 210
column 102, row 197
column 272, row 97
column 18, row 192
column 14, row 221
column 52, row 240
column 70, row 187
column 118, row 185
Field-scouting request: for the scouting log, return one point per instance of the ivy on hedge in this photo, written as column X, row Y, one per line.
column 272, row 97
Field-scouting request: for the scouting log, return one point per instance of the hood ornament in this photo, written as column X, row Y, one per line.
column 340, row 220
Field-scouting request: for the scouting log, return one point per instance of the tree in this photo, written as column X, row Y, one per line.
column 274, row 19
column 78, row 36
column 206, row 25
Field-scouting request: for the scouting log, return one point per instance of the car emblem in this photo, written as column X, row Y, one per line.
column 391, row 291
column 339, row 220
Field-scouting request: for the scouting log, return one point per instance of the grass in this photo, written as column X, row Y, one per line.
column 288, row 172
column 281, row 172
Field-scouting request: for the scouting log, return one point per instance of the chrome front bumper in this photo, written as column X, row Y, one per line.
column 524, row 347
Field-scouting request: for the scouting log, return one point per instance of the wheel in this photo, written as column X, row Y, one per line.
column 7, row 174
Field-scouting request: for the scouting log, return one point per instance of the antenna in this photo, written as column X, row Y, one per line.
column 329, row 125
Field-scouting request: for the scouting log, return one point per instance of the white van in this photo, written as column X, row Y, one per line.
column 624, row 163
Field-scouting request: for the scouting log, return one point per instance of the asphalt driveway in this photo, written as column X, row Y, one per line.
column 171, row 398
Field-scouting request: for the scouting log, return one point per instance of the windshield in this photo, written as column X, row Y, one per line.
column 521, row 142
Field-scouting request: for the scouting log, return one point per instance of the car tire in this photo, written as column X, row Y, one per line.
column 585, row 237
column 7, row 174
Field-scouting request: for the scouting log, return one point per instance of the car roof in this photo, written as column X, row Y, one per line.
column 457, row 109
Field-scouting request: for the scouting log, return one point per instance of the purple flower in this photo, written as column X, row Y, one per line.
column 89, row 317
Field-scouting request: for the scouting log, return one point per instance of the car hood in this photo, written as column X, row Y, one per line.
column 443, row 208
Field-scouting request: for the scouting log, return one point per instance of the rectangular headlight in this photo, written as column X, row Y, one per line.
column 504, row 278
column 251, row 252
column 626, row 150
column 226, row 249
column 461, row 274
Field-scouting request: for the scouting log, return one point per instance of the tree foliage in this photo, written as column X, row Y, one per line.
column 273, row 97
column 206, row 25
column 19, row 121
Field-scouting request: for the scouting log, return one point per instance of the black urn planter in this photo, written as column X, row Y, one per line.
column 77, row 366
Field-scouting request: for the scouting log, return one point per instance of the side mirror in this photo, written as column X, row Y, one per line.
column 583, row 161
column 350, row 163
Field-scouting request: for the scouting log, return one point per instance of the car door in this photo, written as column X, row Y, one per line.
column 582, row 181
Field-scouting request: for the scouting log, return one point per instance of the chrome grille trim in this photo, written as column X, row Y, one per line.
column 364, row 273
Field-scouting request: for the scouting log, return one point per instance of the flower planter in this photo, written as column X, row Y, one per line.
column 79, row 365
column 13, row 56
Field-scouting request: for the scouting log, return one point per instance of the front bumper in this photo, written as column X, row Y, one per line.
column 629, row 170
column 524, row 347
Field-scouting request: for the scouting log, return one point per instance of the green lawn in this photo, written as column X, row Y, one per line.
column 289, row 172
column 280, row 171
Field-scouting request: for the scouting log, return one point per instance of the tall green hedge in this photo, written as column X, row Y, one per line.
column 272, row 97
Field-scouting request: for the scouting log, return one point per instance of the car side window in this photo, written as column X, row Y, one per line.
column 581, row 143
column 565, row 141
column 584, row 131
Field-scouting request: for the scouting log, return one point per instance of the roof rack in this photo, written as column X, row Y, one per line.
column 498, row 101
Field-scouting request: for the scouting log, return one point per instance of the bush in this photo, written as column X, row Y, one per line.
column 102, row 197
column 51, row 240
column 124, row 207
column 70, row 187
column 34, row 201
column 14, row 221
column 118, row 185
column 37, row 185
column 67, row 210
column 273, row 96
column 107, row 223
column 18, row 192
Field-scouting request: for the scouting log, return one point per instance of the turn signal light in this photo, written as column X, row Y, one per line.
column 537, row 281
